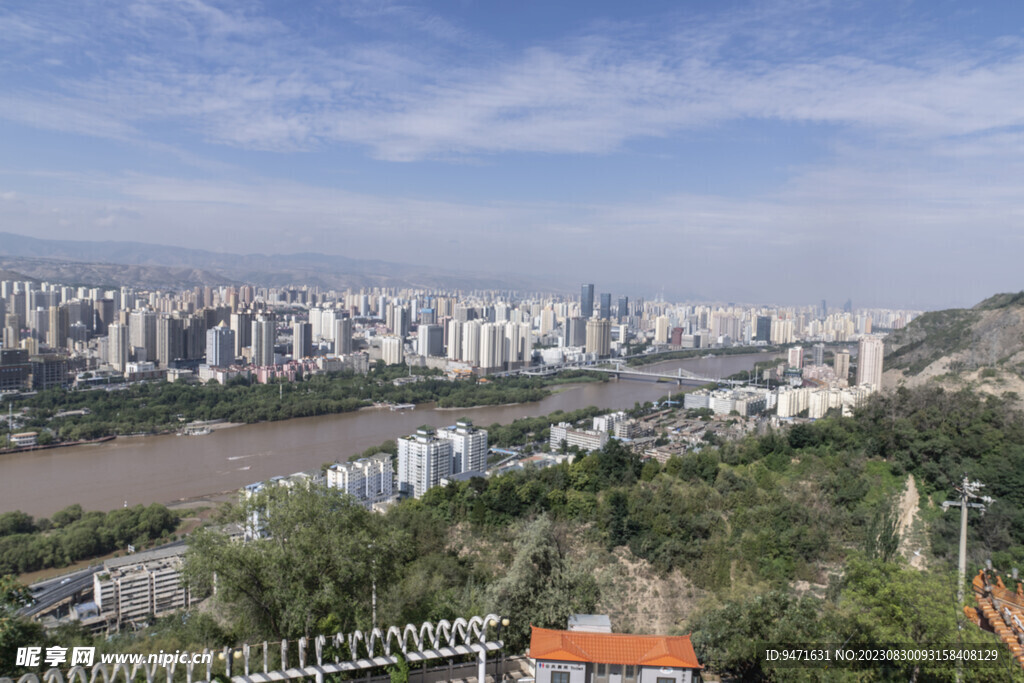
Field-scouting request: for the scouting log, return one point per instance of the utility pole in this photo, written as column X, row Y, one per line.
column 967, row 490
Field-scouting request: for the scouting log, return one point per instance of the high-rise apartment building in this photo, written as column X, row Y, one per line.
column 518, row 344
column 763, row 331
column 469, row 447
column 170, row 337
column 57, row 331
column 194, row 330
column 368, row 480
column 302, row 340
column 142, row 333
column 264, row 335
column 118, row 347
column 547, row 321
column 471, row 342
column 623, row 308
column 423, row 459
column 662, row 329
column 818, row 351
column 392, row 350
column 587, row 301
column 220, row 346
column 869, row 361
column 492, row 347
column 796, row 357
column 599, row 337
column 241, row 325
column 454, row 340
column 327, row 318
column 81, row 311
column 841, row 365
column 576, row 331
column 105, row 310
column 430, row 340
column 343, row 336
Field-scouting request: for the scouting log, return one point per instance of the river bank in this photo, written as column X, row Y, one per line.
column 169, row 468
column 59, row 444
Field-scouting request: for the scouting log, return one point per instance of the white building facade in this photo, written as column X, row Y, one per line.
column 469, row 447
column 368, row 480
column 423, row 459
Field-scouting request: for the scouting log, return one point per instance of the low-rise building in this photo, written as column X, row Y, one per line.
column 25, row 439
column 587, row 439
column 589, row 657
column 136, row 588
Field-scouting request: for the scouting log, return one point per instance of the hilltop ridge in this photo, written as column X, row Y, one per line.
column 983, row 345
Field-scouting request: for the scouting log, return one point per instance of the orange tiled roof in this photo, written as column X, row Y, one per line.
column 612, row 648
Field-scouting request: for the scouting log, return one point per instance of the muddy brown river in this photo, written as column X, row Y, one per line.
column 166, row 469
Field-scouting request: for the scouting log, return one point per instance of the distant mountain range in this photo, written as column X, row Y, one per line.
column 150, row 265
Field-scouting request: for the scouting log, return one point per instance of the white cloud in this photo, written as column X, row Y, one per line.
column 252, row 81
column 923, row 153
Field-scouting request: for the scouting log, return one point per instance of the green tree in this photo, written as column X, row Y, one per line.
column 728, row 639
column 320, row 557
column 15, row 631
column 882, row 536
column 540, row 587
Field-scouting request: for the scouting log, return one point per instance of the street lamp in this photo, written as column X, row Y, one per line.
column 372, row 547
column 500, row 624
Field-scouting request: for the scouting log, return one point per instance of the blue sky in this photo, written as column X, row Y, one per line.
column 748, row 151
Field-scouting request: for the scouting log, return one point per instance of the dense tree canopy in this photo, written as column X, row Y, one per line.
column 72, row 535
column 314, row 571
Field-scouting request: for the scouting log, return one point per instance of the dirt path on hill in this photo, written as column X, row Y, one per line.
column 910, row 526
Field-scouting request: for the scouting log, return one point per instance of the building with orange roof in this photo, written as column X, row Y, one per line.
column 585, row 657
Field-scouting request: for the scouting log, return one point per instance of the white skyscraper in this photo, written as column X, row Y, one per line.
column 392, row 350
column 869, row 361
column 327, row 319
column 471, row 342
column 454, row 340
column 316, row 323
column 492, row 346
column 547, row 321
column 423, row 459
column 661, row 330
column 117, row 345
column 142, row 333
column 469, row 447
column 518, row 343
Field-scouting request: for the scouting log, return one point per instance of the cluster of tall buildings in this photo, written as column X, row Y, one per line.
column 224, row 330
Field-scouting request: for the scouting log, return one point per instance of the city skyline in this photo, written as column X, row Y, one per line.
column 728, row 151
